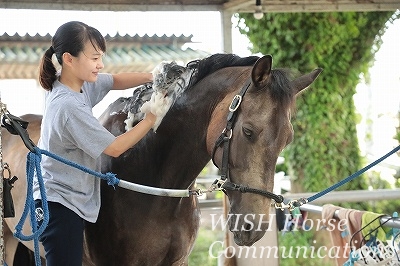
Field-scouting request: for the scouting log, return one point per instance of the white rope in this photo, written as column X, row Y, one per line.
column 179, row 193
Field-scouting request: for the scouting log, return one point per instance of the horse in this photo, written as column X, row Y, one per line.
column 244, row 98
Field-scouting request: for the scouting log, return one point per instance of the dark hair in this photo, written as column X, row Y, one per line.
column 69, row 38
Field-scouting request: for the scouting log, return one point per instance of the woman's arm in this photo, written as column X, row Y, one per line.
column 125, row 141
column 124, row 81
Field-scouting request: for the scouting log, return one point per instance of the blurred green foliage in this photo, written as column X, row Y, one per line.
column 200, row 253
column 325, row 147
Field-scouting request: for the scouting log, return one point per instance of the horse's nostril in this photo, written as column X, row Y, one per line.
column 247, row 227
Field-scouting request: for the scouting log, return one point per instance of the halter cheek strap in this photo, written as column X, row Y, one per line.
column 226, row 134
column 224, row 139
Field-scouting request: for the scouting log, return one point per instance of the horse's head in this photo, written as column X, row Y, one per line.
column 260, row 131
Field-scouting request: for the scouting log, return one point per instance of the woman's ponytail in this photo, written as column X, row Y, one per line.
column 47, row 71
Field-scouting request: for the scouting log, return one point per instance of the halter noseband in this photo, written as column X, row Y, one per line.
column 224, row 139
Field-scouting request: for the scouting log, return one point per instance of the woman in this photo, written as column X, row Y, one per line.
column 70, row 130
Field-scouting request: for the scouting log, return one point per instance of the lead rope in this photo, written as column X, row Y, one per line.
column 298, row 202
column 32, row 164
column 351, row 177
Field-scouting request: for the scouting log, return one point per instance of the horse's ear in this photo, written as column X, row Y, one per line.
column 304, row 81
column 261, row 70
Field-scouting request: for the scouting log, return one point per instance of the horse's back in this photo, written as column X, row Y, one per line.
column 14, row 141
column 14, row 149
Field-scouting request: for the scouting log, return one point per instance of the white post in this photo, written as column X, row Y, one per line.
column 263, row 252
column 226, row 19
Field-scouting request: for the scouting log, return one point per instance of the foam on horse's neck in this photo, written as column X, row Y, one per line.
column 131, row 119
column 170, row 80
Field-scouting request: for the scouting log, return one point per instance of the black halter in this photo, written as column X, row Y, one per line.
column 224, row 139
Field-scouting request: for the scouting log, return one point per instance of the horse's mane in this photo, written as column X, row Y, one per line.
column 215, row 62
column 281, row 87
column 279, row 84
column 200, row 68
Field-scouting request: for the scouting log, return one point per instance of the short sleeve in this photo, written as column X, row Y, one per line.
column 96, row 91
column 85, row 132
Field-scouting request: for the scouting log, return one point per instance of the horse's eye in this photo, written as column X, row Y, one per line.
column 247, row 132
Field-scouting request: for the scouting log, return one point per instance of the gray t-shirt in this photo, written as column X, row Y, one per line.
column 70, row 130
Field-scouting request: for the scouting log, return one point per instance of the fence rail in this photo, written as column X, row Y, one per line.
column 333, row 197
column 350, row 195
column 387, row 220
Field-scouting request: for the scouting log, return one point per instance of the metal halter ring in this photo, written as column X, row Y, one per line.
column 227, row 133
column 217, row 185
column 291, row 205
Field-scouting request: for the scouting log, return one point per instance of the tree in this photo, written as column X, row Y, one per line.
column 325, row 147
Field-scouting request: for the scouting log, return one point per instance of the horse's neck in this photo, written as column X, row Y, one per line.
column 180, row 143
column 176, row 154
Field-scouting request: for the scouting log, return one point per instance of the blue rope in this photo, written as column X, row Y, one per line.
column 351, row 177
column 111, row 178
column 33, row 164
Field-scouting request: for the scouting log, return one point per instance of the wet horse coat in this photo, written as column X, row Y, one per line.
column 140, row 229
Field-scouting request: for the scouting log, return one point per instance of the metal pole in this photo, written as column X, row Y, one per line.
column 1, row 194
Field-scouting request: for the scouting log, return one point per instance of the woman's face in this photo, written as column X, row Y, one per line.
column 88, row 64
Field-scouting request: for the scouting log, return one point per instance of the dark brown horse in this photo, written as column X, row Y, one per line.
column 140, row 229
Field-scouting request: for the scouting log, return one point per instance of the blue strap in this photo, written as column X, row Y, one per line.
column 353, row 257
column 33, row 164
column 351, row 177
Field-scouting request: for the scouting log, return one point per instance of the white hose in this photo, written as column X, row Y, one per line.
column 179, row 193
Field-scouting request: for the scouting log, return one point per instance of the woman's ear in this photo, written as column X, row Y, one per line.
column 67, row 58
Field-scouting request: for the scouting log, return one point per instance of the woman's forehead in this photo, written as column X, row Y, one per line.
column 91, row 49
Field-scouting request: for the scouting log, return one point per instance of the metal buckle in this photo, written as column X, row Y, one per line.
column 196, row 192
column 6, row 167
column 291, row 205
column 235, row 103
column 217, row 185
column 39, row 214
